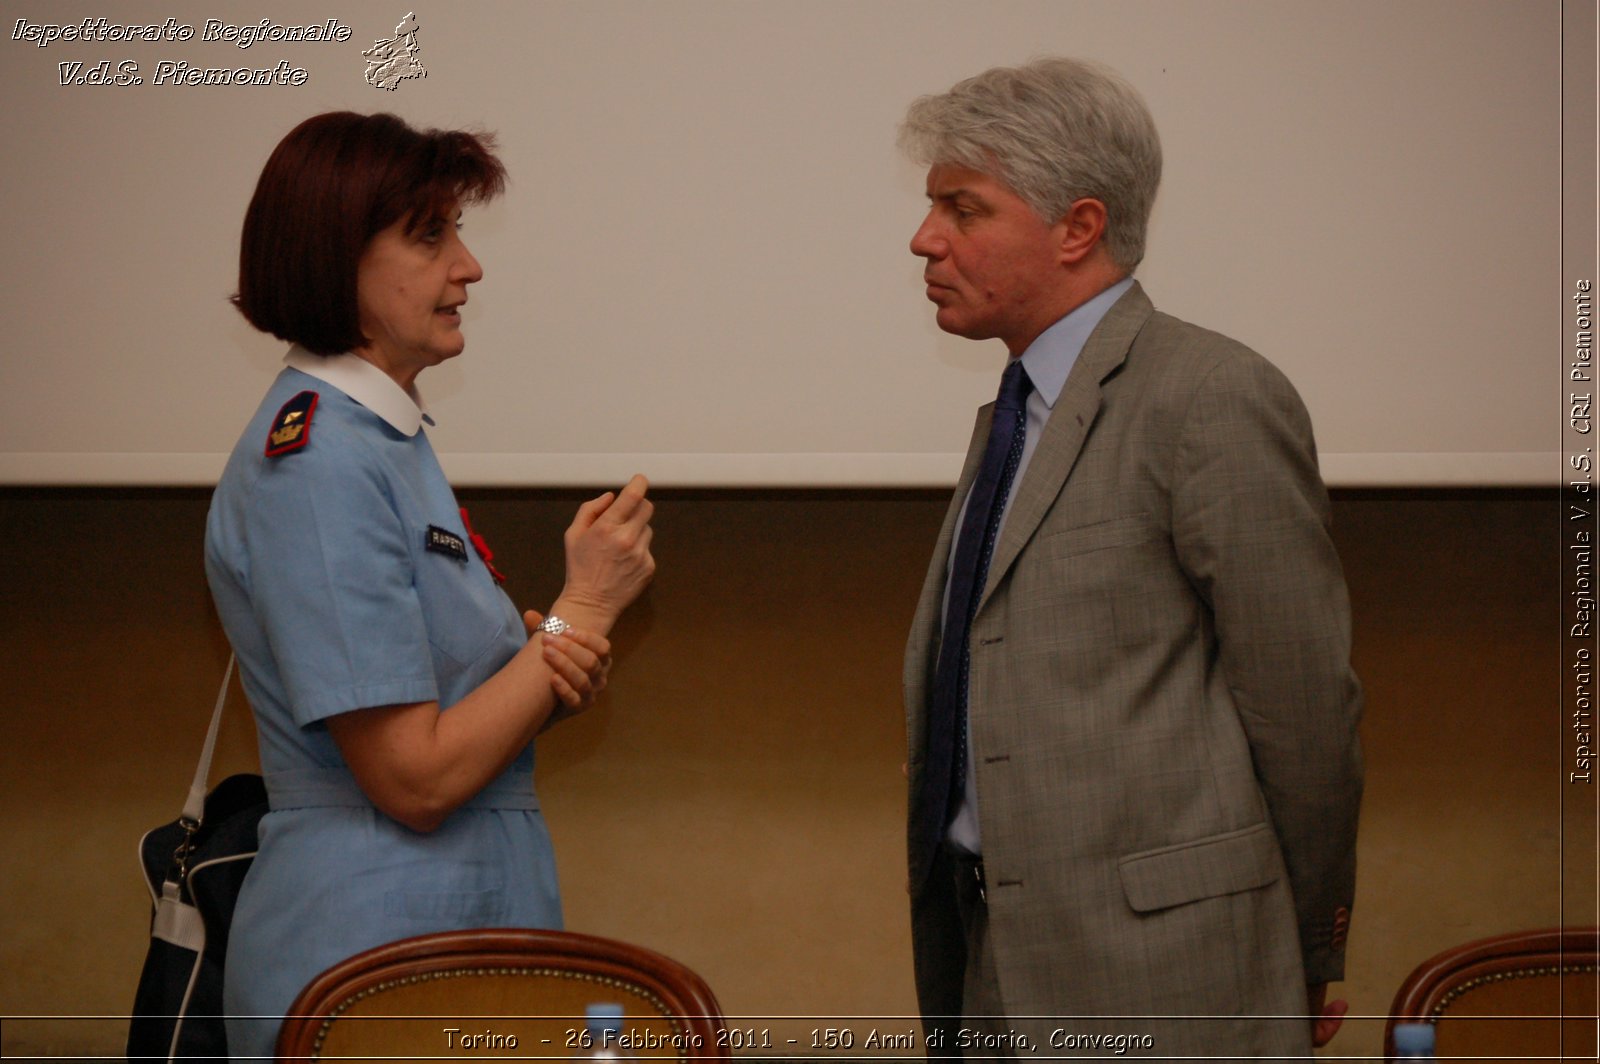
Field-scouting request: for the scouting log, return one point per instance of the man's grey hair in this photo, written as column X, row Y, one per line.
column 1052, row 131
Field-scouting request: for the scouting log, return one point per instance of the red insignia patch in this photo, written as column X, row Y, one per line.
column 291, row 429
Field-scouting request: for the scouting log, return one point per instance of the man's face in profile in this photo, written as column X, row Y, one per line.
column 992, row 261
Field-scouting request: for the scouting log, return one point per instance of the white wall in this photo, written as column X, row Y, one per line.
column 701, row 272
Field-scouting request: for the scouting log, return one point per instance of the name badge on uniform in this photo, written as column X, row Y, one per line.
column 443, row 541
column 291, row 429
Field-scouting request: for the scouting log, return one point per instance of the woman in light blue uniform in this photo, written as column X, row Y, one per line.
column 396, row 689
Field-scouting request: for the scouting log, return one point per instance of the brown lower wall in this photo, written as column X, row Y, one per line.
column 736, row 801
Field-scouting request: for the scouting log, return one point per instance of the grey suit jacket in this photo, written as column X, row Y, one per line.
column 1162, row 709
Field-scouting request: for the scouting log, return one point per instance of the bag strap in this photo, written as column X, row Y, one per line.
column 194, row 809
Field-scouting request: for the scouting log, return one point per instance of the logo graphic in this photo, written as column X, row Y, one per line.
column 392, row 61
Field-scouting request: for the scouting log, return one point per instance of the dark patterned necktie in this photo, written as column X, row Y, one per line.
column 945, row 764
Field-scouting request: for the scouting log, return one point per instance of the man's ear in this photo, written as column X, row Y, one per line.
column 1080, row 230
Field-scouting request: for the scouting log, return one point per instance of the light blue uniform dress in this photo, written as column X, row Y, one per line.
column 345, row 578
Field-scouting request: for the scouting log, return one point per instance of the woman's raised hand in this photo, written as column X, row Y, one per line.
column 608, row 556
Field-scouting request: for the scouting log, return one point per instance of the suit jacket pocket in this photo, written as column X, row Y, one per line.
column 1205, row 868
column 1099, row 535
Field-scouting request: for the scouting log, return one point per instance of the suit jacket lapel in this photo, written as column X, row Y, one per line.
column 919, row 645
column 1070, row 420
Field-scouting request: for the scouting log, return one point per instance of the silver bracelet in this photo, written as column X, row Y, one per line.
column 552, row 625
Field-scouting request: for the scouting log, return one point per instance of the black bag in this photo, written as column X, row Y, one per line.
column 194, row 867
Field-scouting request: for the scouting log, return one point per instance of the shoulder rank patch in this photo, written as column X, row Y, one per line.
column 443, row 541
column 291, row 429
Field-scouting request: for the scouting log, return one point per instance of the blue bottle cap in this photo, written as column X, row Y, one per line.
column 604, row 1016
column 1413, row 1039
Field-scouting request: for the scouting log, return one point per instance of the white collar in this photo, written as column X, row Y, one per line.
column 368, row 385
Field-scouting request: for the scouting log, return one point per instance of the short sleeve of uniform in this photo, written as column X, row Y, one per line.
column 332, row 575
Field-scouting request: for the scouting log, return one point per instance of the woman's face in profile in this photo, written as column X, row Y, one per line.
column 409, row 291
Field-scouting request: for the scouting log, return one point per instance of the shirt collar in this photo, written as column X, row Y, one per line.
column 1050, row 358
column 368, row 385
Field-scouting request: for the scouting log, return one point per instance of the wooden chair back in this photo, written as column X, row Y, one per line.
column 1510, row 997
column 501, row 992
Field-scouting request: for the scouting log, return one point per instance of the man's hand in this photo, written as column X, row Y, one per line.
column 1326, row 1016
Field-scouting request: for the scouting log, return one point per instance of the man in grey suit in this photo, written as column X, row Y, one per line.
column 1134, row 770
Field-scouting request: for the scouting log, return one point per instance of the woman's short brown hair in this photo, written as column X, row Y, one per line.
column 331, row 185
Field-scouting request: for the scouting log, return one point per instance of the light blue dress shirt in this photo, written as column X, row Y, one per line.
column 1048, row 361
column 339, row 573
